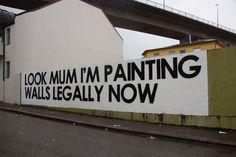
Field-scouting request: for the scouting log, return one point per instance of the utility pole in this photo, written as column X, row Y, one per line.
column 217, row 14
column 164, row 4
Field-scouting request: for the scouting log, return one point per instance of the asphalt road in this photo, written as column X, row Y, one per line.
column 23, row 136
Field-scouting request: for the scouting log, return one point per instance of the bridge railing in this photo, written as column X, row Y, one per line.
column 173, row 10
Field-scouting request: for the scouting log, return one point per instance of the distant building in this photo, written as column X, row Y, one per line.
column 209, row 44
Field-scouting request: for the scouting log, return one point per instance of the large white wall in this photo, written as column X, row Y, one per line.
column 65, row 34
column 185, row 93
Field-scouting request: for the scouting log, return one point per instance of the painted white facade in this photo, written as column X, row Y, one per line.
column 112, row 89
column 65, row 34
column 12, row 89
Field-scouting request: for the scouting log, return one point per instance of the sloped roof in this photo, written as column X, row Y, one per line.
column 186, row 44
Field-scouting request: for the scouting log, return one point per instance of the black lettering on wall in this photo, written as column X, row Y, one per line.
column 196, row 69
column 67, row 95
column 173, row 71
column 71, row 77
column 98, row 91
column 62, row 76
column 158, row 66
column 139, row 71
column 77, row 93
column 92, row 76
column 107, row 71
column 48, row 93
column 129, row 69
column 43, row 80
column 113, row 92
column 34, row 95
column 134, row 95
column 150, row 68
column 82, row 74
column 90, row 98
column 54, row 78
column 26, row 80
column 84, row 94
column 120, row 73
column 37, row 78
column 59, row 92
column 28, row 91
column 31, row 79
column 146, row 92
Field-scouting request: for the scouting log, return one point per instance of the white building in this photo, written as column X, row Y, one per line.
column 65, row 34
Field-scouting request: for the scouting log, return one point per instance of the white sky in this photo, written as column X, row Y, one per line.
column 135, row 42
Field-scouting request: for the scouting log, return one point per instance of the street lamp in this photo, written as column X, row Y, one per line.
column 217, row 12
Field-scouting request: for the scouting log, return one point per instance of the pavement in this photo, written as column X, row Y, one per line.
column 27, row 136
column 196, row 134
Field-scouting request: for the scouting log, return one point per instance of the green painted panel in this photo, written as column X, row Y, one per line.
column 226, row 122
column 222, row 81
column 172, row 119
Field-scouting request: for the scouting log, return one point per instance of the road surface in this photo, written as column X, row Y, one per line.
column 24, row 136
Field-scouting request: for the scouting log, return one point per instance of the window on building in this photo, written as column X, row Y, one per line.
column 182, row 51
column 156, row 54
column 8, row 69
column 196, row 49
column 171, row 52
column 8, row 36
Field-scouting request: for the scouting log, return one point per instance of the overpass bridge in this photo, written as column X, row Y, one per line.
column 148, row 17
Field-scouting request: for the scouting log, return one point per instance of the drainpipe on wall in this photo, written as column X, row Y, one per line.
column 1, row 35
column 3, row 63
column 2, row 31
column 4, row 55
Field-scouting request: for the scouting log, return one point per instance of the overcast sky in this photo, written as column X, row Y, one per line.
column 135, row 43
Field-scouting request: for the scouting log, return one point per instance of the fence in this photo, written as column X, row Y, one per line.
column 182, row 13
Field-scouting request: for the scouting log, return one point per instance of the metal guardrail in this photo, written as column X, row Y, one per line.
column 176, row 11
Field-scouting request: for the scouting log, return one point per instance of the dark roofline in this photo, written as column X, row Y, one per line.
column 186, row 44
column 38, row 8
